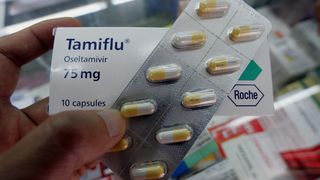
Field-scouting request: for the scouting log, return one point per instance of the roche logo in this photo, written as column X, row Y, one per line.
column 245, row 95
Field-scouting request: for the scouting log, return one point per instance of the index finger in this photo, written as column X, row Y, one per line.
column 27, row 44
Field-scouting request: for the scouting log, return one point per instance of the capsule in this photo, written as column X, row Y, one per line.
column 189, row 40
column 212, row 8
column 197, row 99
column 175, row 134
column 246, row 33
column 164, row 73
column 223, row 65
column 148, row 170
column 122, row 145
column 138, row 108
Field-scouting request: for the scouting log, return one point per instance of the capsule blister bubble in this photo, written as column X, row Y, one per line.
column 223, row 65
column 174, row 134
column 148, row 170
column 246, row 33
column 122, row 145
column 138, row 108
column 189, row 40
column 164, row 73
column 198, row 99
column 212, row 8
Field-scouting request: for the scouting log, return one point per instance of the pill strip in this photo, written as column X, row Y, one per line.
column 169, row 89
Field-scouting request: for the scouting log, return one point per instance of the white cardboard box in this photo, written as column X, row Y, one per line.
column 87, row 71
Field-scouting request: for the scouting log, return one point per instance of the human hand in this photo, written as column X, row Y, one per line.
column 34, row 145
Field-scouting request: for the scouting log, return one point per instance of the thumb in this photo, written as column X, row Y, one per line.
column 63, row 144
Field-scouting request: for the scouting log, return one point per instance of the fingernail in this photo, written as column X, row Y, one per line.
column 113, row 121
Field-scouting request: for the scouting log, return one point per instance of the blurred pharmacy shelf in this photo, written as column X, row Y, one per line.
column 284, row 146
column 291, row 57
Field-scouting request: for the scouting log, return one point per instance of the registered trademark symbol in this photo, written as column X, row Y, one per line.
column 127, row 41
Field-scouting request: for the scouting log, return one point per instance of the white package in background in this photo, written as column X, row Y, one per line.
column 167, row 116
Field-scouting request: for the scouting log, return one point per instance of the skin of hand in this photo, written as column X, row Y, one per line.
column 34, row 145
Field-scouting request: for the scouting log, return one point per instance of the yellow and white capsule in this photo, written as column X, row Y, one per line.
column 164, row 73
column 197, row 99
column 246, row 33
column 189, row 40
column 175, row 134
column 223, row 65
column 212, row 8
column 138, row 108
column 123, row 144
column 148, row 170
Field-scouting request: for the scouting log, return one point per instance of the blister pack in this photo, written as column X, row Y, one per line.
column 183, row 82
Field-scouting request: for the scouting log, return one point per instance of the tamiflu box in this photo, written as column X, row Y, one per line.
column 169, row 83
column 104, row 76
